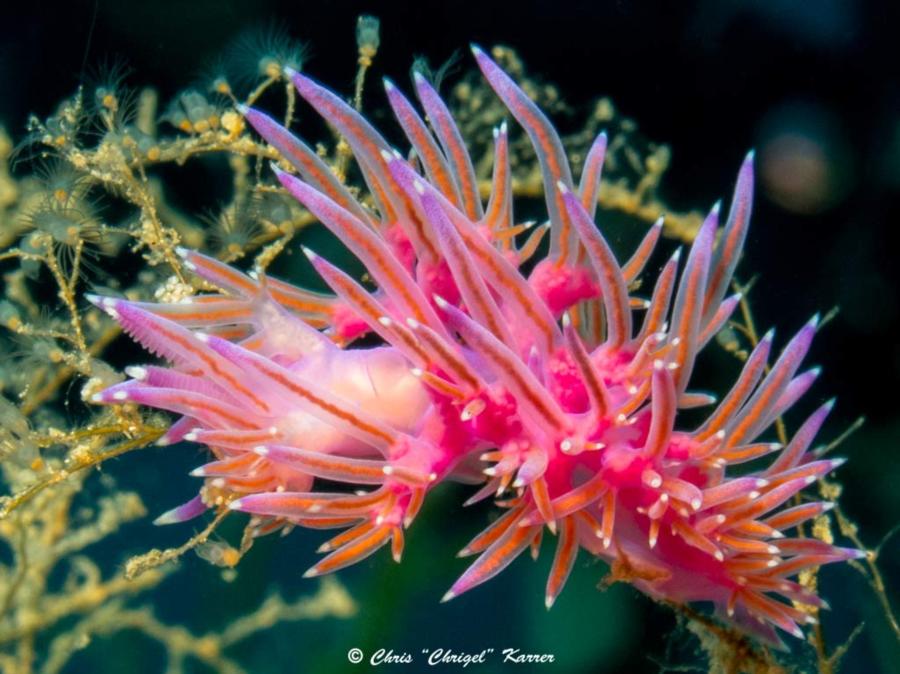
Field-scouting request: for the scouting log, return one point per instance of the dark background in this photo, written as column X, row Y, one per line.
column 812, row 85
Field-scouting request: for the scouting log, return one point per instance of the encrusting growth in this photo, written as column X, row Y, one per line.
column 545, row 387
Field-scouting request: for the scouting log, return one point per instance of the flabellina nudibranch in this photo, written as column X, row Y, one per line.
column 544, row 389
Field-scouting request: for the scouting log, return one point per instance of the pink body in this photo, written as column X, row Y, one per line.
column 543, row 389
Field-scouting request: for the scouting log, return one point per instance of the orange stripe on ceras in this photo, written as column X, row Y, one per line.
column 349, row 535
column 792, row 566
column 328, row 407
column 793, row 516
column 374, row 311
column 442, row 386
column 348, row 506
column 608, row 515
column 250, row 483
column 529, row 248
column 594, row 312
column 729, row 249
column 635, row 303
column 232, row 333
column 753, row 528
column 751, row 509
column 776, row 585
column 657, row 311
column 390, row 500
column 227, row 315
column 744, row 565
column 589, row 180
column 372, row 149
column 518, row 536
column 637, row 399
column 638, row 260
column 214, row 366
column 589, row 521
column 471, row 279
column 203, row 299
column 758, row 408
column 240, row 461
column 355, row 502
column 724, row 412
column 712, row 326
column 589, row 379
column 378, row 256
column 299, row 503
column 497, row 204
column 324, row 522
column 493, row 533
column 430, row 157
column 693, row 538
column 211, row 407
column 381, row 196
column 556, row 174
column 366, row 304
column 579, row 497
column 325, row 462
column 224, row 436
column 565, row 552
column 396, row 543
column 691, row 298
column 409, row 341
column 506, row 234
column 459, row 158
column 776, row 611
column 526, row 306
column 254, row 343
column 323, row 179
column 511, row 372
column 608, row 270
column 541, row 497
column 745, row 545
column 353, row 550
column 417, row 224
column 232, row 276
column 416, row 499
column 296, row 302
column 282, row 292
column 746, row 452
column 271, row 526
column 408, row 476
column 449, row 359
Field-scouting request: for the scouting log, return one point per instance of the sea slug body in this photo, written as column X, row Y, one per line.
column 546, row 389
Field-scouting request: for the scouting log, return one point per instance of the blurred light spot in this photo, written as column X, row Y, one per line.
column 803, row 158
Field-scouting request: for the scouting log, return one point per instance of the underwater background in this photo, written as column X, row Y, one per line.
column 812, row 86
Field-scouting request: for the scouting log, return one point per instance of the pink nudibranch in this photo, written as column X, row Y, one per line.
column 544, row 389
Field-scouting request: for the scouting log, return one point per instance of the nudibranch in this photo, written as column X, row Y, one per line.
column 544, row 389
